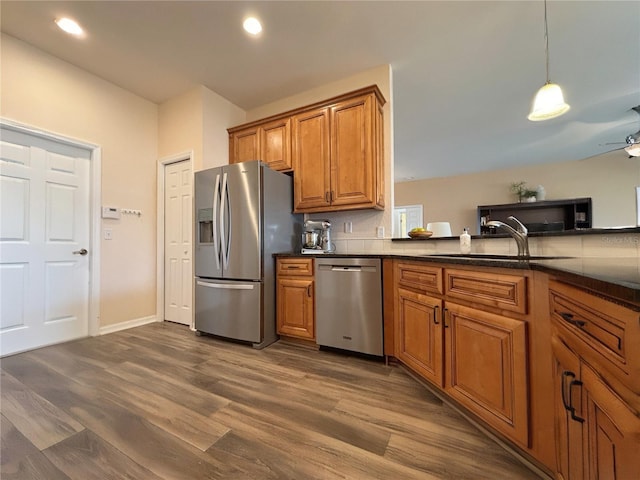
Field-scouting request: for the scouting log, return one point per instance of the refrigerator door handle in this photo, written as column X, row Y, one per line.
column 226, row 286
column 214, row 223
column 223, row 240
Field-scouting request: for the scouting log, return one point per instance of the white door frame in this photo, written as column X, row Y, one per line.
column 162, row 163
column 95, row 196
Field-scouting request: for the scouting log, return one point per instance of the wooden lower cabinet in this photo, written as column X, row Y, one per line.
column 569, row 431
column 419, row 338
column 486, row 367
column 597, row 433
column 295, row 307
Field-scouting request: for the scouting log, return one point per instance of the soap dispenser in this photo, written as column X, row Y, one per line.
column 465, row 242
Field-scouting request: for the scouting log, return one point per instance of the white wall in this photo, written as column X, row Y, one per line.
column 46, row 93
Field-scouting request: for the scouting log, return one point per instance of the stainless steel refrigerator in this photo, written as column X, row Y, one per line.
column 243, row 216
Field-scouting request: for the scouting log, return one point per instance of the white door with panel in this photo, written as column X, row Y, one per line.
column 44, row 237
column 178, row 272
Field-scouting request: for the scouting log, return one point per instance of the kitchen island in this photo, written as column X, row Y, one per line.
column 490, row 334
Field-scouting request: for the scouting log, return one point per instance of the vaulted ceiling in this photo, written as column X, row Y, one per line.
column 464, row 73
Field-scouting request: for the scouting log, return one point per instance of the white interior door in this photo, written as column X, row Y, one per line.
column 178, row 272
column 44, row 237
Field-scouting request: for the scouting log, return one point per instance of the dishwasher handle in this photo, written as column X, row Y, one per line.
column 340, row 268
column 347, row 268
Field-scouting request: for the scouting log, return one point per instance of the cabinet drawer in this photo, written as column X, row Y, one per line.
column 502, row 291
column 603, row 332
column 295, row 266
column 419, row 277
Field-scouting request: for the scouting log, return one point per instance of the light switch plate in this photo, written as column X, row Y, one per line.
column 380, row 232
column 108, row 234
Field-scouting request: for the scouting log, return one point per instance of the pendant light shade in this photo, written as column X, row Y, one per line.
column 549, row 101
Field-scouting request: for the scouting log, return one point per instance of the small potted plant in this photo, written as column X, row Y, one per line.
column 523, row 193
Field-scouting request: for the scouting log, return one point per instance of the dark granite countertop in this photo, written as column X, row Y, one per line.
column 565, row 233
column 618, row 277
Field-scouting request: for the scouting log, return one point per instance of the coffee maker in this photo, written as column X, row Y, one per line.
column 317, row 237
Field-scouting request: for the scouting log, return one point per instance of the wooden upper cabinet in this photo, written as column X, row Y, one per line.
column 244, row 145
column 335, row 149
column 312, row 182
column 275, row 144
column 353, row 169
column 269, row 142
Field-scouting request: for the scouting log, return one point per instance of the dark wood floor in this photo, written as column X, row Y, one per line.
column 157, row 402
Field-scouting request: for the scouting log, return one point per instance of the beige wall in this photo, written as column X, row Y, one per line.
column 364, row 221
column 218, row 115
column 609, row 179
column 197, row 121
column 46, row 93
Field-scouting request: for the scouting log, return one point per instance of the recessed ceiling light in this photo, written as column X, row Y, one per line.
column 252, row 25
column 69, row 26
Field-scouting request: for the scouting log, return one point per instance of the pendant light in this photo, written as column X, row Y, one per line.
column 549, row 101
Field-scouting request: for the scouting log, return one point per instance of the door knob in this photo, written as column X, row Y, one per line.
column 82, row 252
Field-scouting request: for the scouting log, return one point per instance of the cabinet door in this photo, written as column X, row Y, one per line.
column 486, row 365
column 353, row 166
column 613, row 441
column 419, row 334
column 295, row 307
column 275, row 144
column 310, row 152
column 570, row 456
column 244, row 145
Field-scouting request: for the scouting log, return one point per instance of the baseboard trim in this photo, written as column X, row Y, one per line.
column 136, row 322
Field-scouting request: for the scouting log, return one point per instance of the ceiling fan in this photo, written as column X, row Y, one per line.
column 632, row 141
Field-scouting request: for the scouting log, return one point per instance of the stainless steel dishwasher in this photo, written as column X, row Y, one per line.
column 349, row 304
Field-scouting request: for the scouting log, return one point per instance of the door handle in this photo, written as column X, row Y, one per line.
column 82, row 251
column 309, row 291
column 435, row 315
column 444, row 317
column 566, row 374
column 573, row 409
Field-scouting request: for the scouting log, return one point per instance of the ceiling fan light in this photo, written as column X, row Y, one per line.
column 633, row 150
column 548, row 103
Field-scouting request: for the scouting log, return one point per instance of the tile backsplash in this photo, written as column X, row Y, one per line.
column 608, row 244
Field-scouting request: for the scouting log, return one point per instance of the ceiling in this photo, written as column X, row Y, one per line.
column 464, row 73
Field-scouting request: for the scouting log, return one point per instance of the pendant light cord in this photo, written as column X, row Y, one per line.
column 546, row 40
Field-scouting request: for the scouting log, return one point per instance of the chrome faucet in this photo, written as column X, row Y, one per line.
column 519, row 234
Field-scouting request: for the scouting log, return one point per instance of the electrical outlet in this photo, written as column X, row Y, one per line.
column 348, row 227
column 380, row 232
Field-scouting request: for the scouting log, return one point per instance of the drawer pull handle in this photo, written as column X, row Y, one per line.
column 293, row 267
column 568, row 317
column 435, row 315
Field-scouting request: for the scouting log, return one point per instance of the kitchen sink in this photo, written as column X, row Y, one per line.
column 483, row 256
